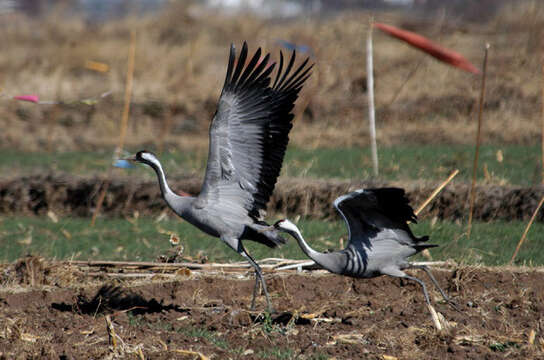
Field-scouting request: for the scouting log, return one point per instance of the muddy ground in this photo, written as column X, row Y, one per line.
column 319, row 315
column 77, row 196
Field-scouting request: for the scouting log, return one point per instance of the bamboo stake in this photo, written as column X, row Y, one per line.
column 542, row 120
column 436, row 191
column 104, row 188
column 478, row 138
column 124, row 123
column 526, row 230
column 371, row 109
column 426, row 252
column 128, row 93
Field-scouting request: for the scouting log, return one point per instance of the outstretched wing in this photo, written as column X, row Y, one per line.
column 250, row 131
column 375, row 214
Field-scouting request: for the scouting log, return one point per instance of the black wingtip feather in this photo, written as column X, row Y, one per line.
column 270, row 106
column 239, row 65
column 297, row 79
column 258, row 75
column 280, row 68
column 232, row 57
column 278, row 86
column 249, row 68
column 294, row 76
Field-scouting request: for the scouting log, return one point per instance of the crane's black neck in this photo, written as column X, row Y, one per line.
column 330, row 261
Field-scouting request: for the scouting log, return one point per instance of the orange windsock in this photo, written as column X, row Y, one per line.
column 450, row 57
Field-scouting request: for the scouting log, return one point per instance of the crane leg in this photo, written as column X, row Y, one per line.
column 433, row 280
column 396, row 272
column 399, row 273
column 425, row 293
column 255, row 291
column 258, row 278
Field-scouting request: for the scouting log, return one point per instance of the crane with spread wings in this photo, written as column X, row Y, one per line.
column 248, row 138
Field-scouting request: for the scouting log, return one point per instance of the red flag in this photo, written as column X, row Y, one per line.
column 31, row 98
column 450, row 57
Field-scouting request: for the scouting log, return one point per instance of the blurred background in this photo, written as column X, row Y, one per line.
column 72, row 56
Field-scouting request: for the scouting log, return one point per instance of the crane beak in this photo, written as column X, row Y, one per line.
column 266, row 228
column 132, row 158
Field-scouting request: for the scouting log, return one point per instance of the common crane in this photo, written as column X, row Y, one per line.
column 380, row 240
column 248, row 138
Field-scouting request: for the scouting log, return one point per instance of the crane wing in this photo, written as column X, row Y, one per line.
column 250, row 131
column 375, row 214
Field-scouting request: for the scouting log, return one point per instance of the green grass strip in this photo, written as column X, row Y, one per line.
column 144, row 239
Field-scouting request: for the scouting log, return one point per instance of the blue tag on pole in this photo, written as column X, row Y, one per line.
column 123, row 164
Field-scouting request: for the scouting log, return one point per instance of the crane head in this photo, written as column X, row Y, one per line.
column 145, row 157
column 286, row 225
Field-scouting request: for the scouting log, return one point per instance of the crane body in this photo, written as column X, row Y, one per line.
column 380, row 240
column 248, row 138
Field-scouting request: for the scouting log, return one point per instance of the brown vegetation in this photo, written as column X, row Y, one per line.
column 180, row 62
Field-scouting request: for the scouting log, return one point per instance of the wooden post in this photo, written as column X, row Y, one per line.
column 370, row 89
column 478, row 139
column 128, row 94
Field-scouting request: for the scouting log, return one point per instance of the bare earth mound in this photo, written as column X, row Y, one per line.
column 77, row 196
column 319, row 315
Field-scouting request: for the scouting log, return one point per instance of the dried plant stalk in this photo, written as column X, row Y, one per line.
column 478, row 139
column 124, row 123
column 436, row 191
column 434, row 316
column 526, row 230
column 111, row 332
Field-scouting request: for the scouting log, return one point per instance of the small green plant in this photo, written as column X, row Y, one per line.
column 135, row 320
column 501, row 347
column 198, row 332
column 268, row 325
column 277, row 353
column 161, row 325
column 319, row 357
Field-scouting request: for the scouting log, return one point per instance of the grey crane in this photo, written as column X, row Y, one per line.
column 248, row 138
column 380, row 240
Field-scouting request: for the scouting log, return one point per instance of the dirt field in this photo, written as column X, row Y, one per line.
column 55, row 310
column 63, row 315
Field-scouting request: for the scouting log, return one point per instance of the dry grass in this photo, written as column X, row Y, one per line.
column 180, row 64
